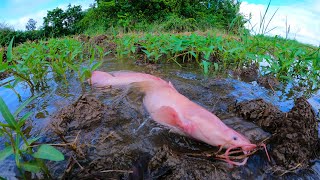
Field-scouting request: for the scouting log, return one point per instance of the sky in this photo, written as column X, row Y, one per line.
column 16, row 13
column 302, row 15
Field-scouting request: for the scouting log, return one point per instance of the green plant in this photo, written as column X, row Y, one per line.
column 27, row 157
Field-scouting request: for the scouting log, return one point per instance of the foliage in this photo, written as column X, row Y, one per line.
column 31, row 25
column 6, row 35
column 27, row 157
column 58, row 22
column 31, row 62
column 181, row 15
column 288, row 60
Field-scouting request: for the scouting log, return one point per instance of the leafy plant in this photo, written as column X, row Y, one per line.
column 27, row 157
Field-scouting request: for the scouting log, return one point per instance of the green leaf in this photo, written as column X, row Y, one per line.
column 48, row 152
column 96, row 65
column 31, row 167
column 30, row 141
column 206, row 66
column 216, row 66
column 8, row 117
column 9, row 51
column 23, row 119
column 23, row 105
column 6, row 152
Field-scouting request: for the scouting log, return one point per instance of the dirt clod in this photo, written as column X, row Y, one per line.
column 268, row 82
column 86, row 112
column 294, row 139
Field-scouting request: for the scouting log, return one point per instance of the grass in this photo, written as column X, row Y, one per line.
column 213, row 51
column 31, row 62
column 288, row 60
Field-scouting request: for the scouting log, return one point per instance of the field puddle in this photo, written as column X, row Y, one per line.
column 116, row 139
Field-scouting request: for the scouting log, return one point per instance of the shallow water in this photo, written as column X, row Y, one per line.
column 215, row 94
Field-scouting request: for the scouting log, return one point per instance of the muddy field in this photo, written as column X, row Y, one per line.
column 106, row 135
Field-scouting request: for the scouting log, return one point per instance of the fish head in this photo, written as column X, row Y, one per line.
column 235, row 139
column 99, row 79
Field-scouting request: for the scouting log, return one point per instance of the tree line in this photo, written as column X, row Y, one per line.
column 178, row 15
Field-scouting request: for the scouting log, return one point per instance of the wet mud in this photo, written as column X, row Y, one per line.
column 294, row 140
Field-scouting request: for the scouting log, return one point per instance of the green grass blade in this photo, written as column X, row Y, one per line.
column 23, row 105
column 9, row 51
column 29, row 141
column 23, row 119
column 6, row 152
column 8, row 117
column 31, row 167
column 48, row 152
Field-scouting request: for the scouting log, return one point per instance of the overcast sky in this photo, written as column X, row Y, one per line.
column 303, row 16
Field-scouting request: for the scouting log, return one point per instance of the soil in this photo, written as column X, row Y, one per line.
column 248, row 74
column 268, row 82
column 83, row 38
column 99, row 39
column 294, row 140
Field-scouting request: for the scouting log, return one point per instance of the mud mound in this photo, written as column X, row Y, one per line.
column 86, row 112
column 268, row 82
column 295, row 134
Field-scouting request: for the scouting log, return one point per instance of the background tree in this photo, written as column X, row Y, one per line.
column 31, row 25
column 59, row 22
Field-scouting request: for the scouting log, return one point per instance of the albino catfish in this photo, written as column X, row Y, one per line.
column 170, row 108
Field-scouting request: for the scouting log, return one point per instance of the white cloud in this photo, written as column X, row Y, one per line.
column 302, row 18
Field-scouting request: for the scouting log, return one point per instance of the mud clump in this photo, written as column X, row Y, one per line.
column 86, row 112
column 247, row 74
column 295, row 134
column 166, row 164
column 268, row 82
column 100, row 39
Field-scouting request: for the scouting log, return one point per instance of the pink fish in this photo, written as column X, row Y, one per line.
column 120, row 78
column 170, row 108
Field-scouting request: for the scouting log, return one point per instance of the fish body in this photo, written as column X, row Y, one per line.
column 120, row 78
column 170, row 108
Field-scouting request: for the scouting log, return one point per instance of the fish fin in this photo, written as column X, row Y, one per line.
column 169, row 116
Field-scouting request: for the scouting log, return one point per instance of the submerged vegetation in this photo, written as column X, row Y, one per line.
column 28, row 157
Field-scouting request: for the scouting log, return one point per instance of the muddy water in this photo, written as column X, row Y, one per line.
column 117, row 138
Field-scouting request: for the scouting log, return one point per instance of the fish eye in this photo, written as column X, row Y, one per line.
column 235, row 138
